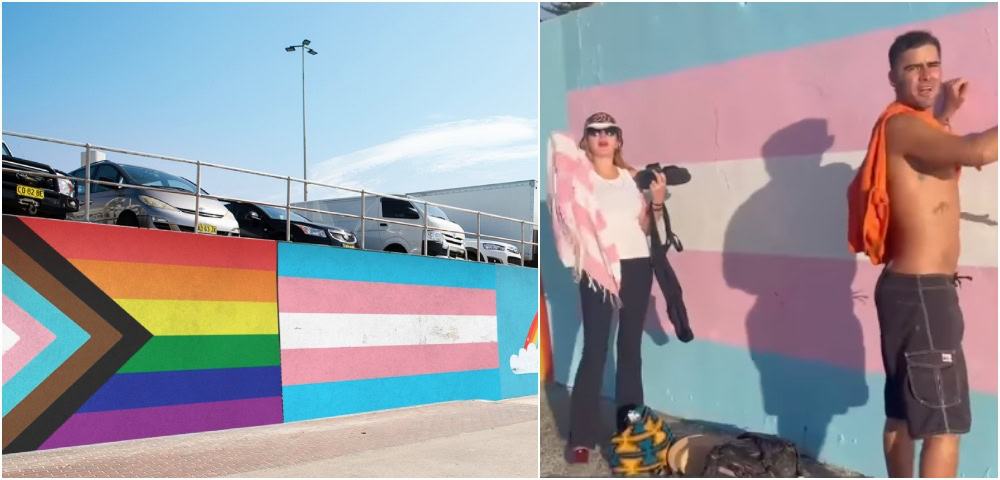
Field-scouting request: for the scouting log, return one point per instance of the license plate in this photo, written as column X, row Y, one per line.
column 31, row 192
column 347, row 245
column 202, row 228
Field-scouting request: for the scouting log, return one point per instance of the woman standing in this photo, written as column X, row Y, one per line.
column 601, row 228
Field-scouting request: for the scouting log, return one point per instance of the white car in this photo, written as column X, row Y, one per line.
column 493, row 252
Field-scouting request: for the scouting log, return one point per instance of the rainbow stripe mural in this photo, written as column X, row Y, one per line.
column 770, row 107
column 364, row 331
column 116, row 333
column 126, row 333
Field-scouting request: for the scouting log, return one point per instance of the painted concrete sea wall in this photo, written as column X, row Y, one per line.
column 117, row 333
column 770, row 107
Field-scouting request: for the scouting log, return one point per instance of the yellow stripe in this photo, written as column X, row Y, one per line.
column 201, row 317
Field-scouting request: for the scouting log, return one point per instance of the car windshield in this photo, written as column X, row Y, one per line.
column 279, row 213
column 437, row 213
column 148, row 177
column 5, row 151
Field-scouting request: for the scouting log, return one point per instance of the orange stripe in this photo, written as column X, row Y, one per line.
column 149, row 281
column 545, row 344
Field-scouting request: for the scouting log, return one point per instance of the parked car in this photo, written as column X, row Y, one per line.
column 121, row 205
column 262, row 221
column 392, row 237
column 493, row 251
column 25, row 193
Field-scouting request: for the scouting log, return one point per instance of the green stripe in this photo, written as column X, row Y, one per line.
column 195, row 352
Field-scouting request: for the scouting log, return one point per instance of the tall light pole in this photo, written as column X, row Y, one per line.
column 305, row 48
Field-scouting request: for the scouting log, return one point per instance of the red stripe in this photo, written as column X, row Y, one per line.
column 88, row 241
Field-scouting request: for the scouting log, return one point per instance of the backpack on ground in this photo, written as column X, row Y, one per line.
column 641, row 444
column 753, row 455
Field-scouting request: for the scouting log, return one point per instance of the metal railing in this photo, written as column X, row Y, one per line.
column 288, row 196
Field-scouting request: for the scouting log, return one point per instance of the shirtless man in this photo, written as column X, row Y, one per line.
column 927, row 392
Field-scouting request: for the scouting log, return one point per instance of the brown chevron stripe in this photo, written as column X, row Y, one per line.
column 114, row 338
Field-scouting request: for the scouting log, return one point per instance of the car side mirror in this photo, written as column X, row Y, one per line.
column 252, row 216
column 116, row 186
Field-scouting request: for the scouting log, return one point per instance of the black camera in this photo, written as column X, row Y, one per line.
column 675, row 175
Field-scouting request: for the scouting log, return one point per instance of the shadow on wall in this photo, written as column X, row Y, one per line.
column 804, row 338
column 565, row 318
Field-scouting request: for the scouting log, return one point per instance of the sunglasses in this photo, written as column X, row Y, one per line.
column 609, row 131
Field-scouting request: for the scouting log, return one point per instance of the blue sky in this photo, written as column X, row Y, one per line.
column 402, row 97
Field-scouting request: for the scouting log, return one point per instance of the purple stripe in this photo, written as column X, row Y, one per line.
column 116, row 425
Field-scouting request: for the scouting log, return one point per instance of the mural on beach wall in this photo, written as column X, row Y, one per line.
column 770, row 107
column 116, row 333
column 364, row 331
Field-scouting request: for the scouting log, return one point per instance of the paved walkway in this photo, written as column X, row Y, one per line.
column 458, row 439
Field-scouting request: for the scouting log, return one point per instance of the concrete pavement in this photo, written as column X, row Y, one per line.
column 457, row 439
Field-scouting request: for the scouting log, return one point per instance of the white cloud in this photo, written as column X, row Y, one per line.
column 441, row 147
column 526, row 360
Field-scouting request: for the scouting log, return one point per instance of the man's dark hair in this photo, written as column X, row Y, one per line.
column 910, row 40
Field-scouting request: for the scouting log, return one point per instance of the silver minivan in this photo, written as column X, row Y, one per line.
column 121, row 205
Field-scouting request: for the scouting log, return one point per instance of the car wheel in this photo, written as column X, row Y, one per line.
column 127, row 219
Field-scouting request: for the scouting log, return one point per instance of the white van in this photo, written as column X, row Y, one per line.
column 392, row 237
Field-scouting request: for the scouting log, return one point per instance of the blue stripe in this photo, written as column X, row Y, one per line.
column 156, row 389
column 317, row 400
column 617, row 42
column 316, row 261
column 517, row 306
column 68, row 338
column 552, row 87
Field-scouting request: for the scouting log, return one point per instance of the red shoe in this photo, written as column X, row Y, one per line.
column 580, row 455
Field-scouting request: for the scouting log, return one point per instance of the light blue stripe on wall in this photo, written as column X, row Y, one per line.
column 319, row 261
column 517, row 306
column 317, row 400
column 830, row 410
column 616, row 42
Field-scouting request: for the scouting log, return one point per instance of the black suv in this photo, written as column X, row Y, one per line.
column 263, row 221
column 26, row 193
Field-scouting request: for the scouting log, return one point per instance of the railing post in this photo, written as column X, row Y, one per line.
column 288, row 210
column 479, row 238
column 86, row 195
column 522, row 243
column 197, row 197
column 362, row 219
column 426, row 253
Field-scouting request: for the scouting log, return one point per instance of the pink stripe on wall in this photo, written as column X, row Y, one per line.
column 816, row 309
column 312, row 295
column 33, row 337
column 729, row 111
column 319, row 365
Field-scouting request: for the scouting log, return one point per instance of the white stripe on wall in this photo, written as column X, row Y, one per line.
column 797, row 206
column 331, row 330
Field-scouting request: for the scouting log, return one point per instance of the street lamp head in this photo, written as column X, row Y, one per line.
column 289, row 49
column 305, row 42
column 312, row 52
